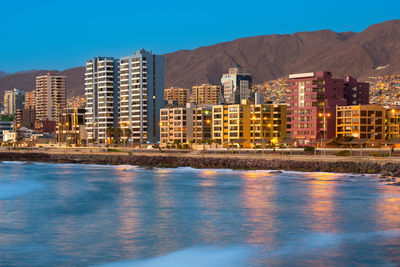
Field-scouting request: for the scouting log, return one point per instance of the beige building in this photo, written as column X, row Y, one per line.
column 184, row 124
column 206, row 94
column 179, row 95
column 50, row 97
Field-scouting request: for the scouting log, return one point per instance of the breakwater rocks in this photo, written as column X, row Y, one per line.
column 203, row 161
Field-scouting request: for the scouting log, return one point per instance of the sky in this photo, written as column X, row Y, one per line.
column 62, row 34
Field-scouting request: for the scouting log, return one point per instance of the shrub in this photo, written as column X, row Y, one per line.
column 185, row 146
column 113, row 150
column 343, row 153
column 309, row 149
column 379, row 154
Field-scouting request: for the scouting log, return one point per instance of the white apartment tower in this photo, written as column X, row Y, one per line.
column 141, row 87
column 13, row 100
column 101, row 91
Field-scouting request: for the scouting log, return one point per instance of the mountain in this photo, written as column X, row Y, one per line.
column 25, row 80
column 374, row 51
column 2, row 73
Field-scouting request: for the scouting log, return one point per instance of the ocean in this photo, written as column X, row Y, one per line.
column 98, row 215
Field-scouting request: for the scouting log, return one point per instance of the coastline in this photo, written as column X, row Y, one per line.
column 358, row 165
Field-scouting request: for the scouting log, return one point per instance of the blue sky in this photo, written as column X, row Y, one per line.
column 63, row 34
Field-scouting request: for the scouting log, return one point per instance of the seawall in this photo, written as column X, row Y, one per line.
column 300, row 163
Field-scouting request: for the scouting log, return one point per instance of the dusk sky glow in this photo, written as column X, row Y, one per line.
column 64, row 34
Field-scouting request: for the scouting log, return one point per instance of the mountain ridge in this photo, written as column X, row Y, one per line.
column 374, row 51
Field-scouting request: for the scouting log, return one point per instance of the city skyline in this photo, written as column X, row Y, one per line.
column 70, row 45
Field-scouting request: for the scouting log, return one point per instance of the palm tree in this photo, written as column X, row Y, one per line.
column 203, row 142
column 127, row 133
column 110, row 132
column 177, row 143
column 191, row 143
column 209, row 142
column 216, row 142
column 117, row 134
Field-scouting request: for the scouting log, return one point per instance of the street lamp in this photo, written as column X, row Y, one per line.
column 325, row 116
column 254, row 131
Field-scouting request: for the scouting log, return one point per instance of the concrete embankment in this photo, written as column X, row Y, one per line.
column 389, row 167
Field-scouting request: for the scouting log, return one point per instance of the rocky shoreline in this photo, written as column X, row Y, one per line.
column 388, row 169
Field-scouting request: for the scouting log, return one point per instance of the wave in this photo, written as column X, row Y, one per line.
column 234, row 256
column 304, row 244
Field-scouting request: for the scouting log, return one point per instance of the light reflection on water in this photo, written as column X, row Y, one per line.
column 81, row 215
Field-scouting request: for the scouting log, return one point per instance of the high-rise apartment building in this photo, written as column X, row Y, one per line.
column 312, row 103
column 29, row 100
column 179, row 95
column 101, row 91
column 13, row 100
column 50, row 96
column 236, row 85
column 141, row 88
column 207, row 94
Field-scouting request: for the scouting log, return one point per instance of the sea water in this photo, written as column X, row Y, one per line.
column 94, row 215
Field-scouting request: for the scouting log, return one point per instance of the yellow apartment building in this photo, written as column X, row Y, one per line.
column 393, row 123
column 361, row 121
column 268, row 123
column 248, row 124
column 231, row 123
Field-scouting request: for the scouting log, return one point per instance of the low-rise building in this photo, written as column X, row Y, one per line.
column 5, row 125
column 9, row 136
column 361, row 121
column 70, row 127
column 393, row 123
column 268, row 123
column 248, row 124
column 184, row 125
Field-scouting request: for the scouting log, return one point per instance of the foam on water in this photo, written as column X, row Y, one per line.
column 234, row 256
column 304, row 244
column 15, row 189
